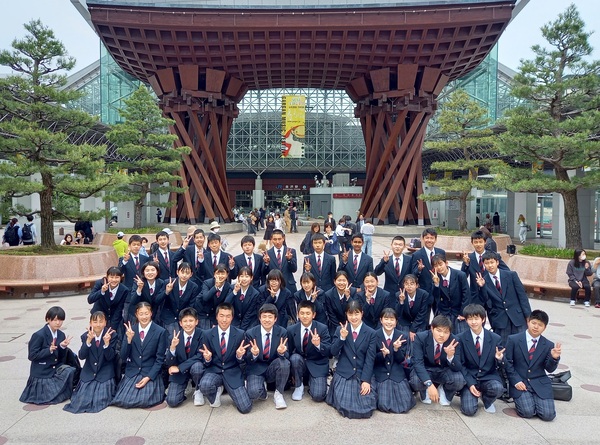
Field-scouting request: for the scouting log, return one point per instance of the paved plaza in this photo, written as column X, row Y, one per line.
column 303, row 422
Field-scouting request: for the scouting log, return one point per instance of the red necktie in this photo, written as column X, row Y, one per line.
column 151, row 291
column 223, row 345
column 267, row 348
column 497, row 284
column 445, row 283
column 355, row 263
column 438, row 354
column 398, row 267
column 167, row 259
column 137, row 263
column 354, row 335
column 214, row 261
column 477, row 346
column 481, row 263
column 180, row 292
column 97, row 343
column 372, row 300
column 305, row 340
column 242, row 296
column 141, row 335
column 279, row 258
column 188, row 345
column 319, row 262
column 112, row 295
column 411, row 303
column 218, row 293
column 532, row 349
column 250, row 263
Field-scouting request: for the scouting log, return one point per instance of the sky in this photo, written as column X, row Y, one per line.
column 82, row 43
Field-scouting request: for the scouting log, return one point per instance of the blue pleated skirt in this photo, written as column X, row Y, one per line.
column 50, row 391
column 128, row 396
column 91, row 397
column 344, row 396
column 394, row 397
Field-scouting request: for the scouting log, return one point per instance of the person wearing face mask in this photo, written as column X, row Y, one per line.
column 578, row 269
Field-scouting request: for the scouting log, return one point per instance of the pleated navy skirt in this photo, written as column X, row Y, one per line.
column 91, row 397
column 344, row 396
column 394, row 397
column 50, row 391
column 128, row 396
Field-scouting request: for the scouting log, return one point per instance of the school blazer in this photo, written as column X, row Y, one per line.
column 364, row 265
column 112, row 309
column 452, row 300
column 146, row 357
column 99, row 361
column 477, row 369
column 316, row 359
column 171, row 304
column 336, row 309
column 472, row 269
column 417, row 318
column 423, row 351
column 226, row 365
column 393, row 282
column 44, row 362
column 532, row 373
column 129, row 270
column 512, row 304
column 372, row 312
column 425, row 281
column 189, row 256
column 327, row 273
column 181, row 359
column 208, row 300
column 206, row 269
column 245, row 313
column 166, row 272
column 258, row 365
column 282, row 303
column 355, row 358
column 134, row 298
column 288, row 267
column 321, row 315
column 259, row 268
column 391, row 366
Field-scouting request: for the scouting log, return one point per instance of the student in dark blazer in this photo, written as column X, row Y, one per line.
column 413, row 307
column 252, row 260
column 164, row 257
column 213, row 256
column 274, row 292
column 183, row 359
column 529, row 356
column 108, row 296
column 309, row 346
column 143, row 351
column 50, row 380
column 193, row 254
column 451, row 293
column 373, row 300
column 435, row 362
column 481, row 354
column 473, row 264
column 504, row 297
column 354, row 344
column 97, row 385
column 283, row 258
column 320, row 264
column 149, row 289
column 310, row 292
column 245, row 301
column 336, row 299
column 179, row 294
column 395, row 266
column 356, row 263
column 394, row 394
column 223, row 353
column 421, row 260
column 267, row 358
column 214, row 292
column 132, row 261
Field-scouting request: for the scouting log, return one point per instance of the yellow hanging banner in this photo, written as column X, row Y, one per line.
column 293, row 129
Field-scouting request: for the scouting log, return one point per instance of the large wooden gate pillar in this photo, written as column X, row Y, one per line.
column 394, row 109
column 203, row 105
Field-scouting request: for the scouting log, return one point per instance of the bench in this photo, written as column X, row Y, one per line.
column 81, row 283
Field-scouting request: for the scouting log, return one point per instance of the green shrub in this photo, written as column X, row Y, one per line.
column 38, row 250
column 553, row 252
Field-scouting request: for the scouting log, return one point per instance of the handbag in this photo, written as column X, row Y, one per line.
column 511, row 249
column 528, row 227
column 560, row 388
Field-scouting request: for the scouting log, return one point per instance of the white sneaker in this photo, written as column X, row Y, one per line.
column 572, row 303
column 426, row 400
column 443, row 400
column 490, row 409
column 298, row 393
column 266, row 396
column 217, row 401
column 198, row 398
column 586, row 304
column 279, row 400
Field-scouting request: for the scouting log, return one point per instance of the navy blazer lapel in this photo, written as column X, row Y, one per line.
column 487, row 347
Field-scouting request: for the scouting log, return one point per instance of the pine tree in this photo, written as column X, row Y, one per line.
column 560, row 123
column 143, row 140
column 39, row 131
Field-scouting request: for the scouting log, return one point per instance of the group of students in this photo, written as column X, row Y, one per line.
column 184, row 319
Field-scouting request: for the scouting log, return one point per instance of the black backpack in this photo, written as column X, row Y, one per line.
column 11, row 235
column 27, row 234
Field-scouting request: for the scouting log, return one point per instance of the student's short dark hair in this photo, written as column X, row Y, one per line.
column 143, row 239
column 275, row 274
column 221, row 268
column 399, row 238
column 245, row 271
column 441, row 321
column 278, row 232
column 197, row 231
column 134, row 238
column 318, row 236
column 438, row 258
column 371, row 274
column 248, row 239
column 474, row 310
column 409, row 277
column 116, row 271
column 353, row 306
column 184, row 265
column 488, row 255
column 539, row 315
column 306, row 304
column 268, row 308
column 358, row 235
column 143, row 304
column 388, row 312
column 188, row 312
column 213, row 237
column 98, row 315
column 56, row 312
column 162, row 233
column 341, row 273
column 308, row 276
column 429, row 231
column 328, row 224
column 148, row 264
column 29, row 218
column 478, row 234
column 225, row 307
